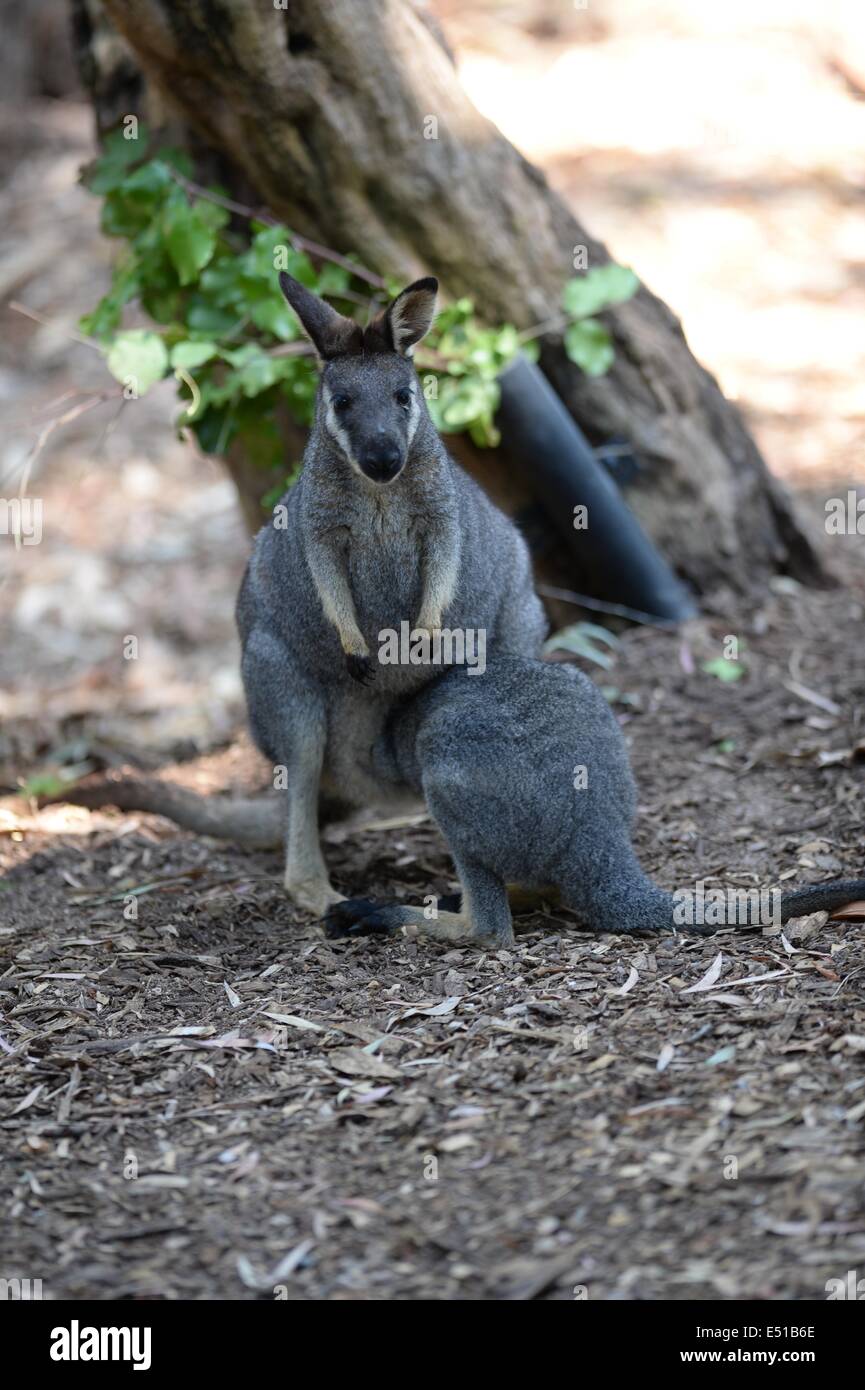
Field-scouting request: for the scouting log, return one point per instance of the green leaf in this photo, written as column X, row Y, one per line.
column 239, row 356
column 190, row 354
column 577, row 638
column 222, row 281
column 177, row 159
column 299, row 390
column 484, row 433
column 451, row 316
column 165, row 306
column 105, row 318
column 462, row 401
column 259, row 374
column 602, row 634
column 214, row 428
column 203, row 317
column 262, row 261
column 190, row 239
column 332, row 280
column 148, row 182
column 44, row 784
column 273, row 315
column 213, row 215
column 261, row 438
column 118, row 155
column 725, row 669
column 598, row 289
column 139, row 357
column 588, row 343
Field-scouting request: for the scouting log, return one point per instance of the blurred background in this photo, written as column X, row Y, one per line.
column 718, row 149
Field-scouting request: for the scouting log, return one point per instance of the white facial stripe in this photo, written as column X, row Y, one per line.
column 335, row 430
column 413, row 417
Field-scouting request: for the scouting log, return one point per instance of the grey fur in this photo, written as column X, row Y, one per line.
column 495, row 758
column 380, row 529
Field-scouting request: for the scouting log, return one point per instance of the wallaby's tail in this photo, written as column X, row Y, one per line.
column 822, row 897
column 253, row 823
column 631, row 902
column 654, row 910
column 743, row 908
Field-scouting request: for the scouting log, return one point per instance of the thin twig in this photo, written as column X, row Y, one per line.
column 619, row 610
column 364, row 300
column 46, row 323
column 58, row 400
column 109, row 428
column 301, row 243
column 548, row 326
column 300, row 349
column 47, row 430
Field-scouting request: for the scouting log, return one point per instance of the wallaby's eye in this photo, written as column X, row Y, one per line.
column 403, row 396
column 341, row 403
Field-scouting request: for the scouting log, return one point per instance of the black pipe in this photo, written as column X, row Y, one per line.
column 544, row 442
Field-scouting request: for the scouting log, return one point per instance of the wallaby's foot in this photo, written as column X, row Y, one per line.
column 360, row 668
column 313, row 896
column 451, row 902
column 359, row 917
column 363, row 917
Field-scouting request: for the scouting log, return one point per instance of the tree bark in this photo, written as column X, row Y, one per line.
column 325, row 108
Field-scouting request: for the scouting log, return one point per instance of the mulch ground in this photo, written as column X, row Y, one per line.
column 203, row 1098
column 208, row 1100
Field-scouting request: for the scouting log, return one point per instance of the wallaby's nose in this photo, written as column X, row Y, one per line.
column 381, row 461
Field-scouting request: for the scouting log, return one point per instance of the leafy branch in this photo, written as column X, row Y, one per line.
column 203, row 268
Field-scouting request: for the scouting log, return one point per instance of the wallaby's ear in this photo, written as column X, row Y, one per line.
column 328, row 331
column 409, row 317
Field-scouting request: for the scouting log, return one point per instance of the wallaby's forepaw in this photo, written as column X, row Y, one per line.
column 359, row 917
column 360, row 668
column 429, row 623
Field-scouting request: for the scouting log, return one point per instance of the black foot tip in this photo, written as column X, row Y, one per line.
column 451, row 902
column 356, row 917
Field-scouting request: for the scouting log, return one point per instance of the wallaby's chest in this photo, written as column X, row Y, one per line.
column 383, row 556
column 392, row 526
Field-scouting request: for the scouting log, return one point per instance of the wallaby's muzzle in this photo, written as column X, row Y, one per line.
column 381, row 461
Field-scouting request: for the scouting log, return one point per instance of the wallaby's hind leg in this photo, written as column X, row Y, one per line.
column 289, row 723
column 484, row 918
column 306, row 878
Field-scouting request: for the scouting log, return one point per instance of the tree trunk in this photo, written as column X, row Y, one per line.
column 349, row 123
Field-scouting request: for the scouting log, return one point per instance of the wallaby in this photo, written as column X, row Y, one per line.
column 381, row 529
column 527, row 776
column 526, row 773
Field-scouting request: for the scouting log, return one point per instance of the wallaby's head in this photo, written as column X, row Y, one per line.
column 369, row 392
